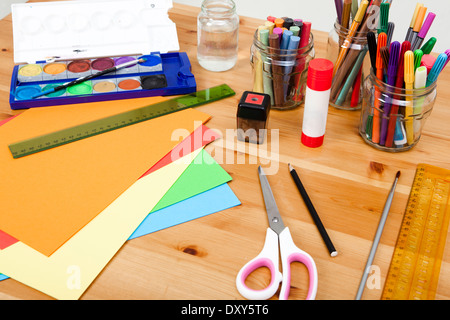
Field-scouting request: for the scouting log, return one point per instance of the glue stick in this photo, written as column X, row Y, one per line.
column 317, row 96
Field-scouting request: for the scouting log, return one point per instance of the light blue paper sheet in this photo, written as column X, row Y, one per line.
column 208, row 202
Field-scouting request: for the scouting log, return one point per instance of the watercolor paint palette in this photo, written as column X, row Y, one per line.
column 60, row 41
column 161, row 75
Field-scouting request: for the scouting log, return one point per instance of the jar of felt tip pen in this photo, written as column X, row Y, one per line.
column 351, row 65
column 392, row 118
column 281, row 73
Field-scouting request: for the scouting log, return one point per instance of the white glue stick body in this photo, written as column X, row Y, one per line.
column 317, row 97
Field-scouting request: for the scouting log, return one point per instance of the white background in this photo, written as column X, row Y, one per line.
column 322, row 14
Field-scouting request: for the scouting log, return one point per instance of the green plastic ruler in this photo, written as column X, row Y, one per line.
column 89, row 129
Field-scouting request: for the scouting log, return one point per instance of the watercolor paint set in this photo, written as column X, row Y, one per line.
column 86, row 51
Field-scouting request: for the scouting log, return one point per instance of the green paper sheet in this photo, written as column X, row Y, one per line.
column 203, row 174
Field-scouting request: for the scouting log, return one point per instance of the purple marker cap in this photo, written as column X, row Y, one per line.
column 394, row 54
column 426, row 25
column 447, row 52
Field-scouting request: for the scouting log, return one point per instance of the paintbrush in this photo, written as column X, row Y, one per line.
column 89, row 77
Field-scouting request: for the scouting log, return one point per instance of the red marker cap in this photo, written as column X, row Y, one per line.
column 320, row 74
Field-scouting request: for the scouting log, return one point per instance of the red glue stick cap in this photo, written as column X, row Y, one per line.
column 312, row 142
column 320, row 74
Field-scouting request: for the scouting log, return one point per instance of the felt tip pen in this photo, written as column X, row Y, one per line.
column 447, row 52
column 428, row 46
column 423, row 31
column 394, row 54
column 89, row 77
column 418, row 24
column 413, row 21
column 437, row 68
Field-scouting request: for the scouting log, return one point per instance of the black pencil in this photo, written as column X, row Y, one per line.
column 313, row 212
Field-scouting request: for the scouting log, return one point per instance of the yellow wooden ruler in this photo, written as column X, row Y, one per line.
column 416, row 262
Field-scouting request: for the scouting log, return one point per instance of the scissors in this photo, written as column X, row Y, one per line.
column 277, row 235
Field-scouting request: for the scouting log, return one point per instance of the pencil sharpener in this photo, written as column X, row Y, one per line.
column 252, row 117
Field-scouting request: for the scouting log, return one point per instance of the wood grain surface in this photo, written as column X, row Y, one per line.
column 347, row 180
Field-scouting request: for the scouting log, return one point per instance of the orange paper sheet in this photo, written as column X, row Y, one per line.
column 48, row 196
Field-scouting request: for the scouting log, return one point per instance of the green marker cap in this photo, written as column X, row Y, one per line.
column 428, row 46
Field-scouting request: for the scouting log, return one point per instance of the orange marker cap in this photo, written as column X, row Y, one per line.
column 382, row 40
column 419, row 19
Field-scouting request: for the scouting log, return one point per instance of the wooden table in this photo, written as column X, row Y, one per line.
column 347, row 180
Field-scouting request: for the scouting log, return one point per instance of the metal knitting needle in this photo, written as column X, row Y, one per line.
column 376, row 240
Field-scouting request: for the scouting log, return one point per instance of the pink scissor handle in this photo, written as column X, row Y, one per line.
column 291, row 253
column 268, row 257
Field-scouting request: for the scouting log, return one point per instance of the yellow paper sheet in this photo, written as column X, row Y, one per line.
column 49, row 196
column 68, row 272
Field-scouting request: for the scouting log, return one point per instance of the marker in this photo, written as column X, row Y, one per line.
column 423, row 31
column 372, row 44
column 409, row 84
column 420, row 82
column 428, row 46
column 394, row 55
column 89, row 77
column 418, row 24
column 393, row 121
column 447, row 52
column 418, row 54
column 382, row 38
column 413, row 21
column 437, row 68
column 428, row 61
column 390, row 32
column 384, row 18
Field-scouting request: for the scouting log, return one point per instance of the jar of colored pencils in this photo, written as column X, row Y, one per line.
column 278, row 70
column 392, row 118
column 351, row 64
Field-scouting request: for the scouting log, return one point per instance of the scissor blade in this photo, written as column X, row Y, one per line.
column 275, row 221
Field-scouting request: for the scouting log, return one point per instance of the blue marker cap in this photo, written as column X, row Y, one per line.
column 436, row 69
column 285, row 39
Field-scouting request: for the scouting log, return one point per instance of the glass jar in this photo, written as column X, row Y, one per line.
column 346, row 90
column 282, row 73
column 217, row 35
column 400, row 128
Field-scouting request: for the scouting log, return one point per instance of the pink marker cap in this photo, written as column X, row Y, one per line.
column 428, row 61
column 426, row 25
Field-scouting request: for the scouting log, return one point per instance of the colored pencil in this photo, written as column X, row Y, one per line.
column 313, row 212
